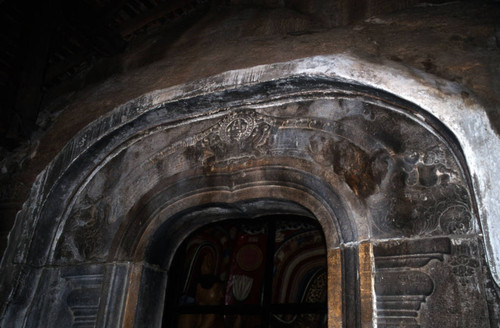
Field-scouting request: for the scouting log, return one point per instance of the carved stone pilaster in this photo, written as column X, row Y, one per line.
column 401, row 285
column 83, row 299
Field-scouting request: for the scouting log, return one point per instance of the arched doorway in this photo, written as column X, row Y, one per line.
column 266, row 271
column 386, row 180
column 250, row 203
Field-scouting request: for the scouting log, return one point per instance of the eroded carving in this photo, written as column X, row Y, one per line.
column 464, row 262
column 400, row 294
column 84, row 238
column 401, row 285
column 429, row 168
column 411, row 186
column 239, row 135
column 464, row 267
column 426, row 196
column 456, row 219
column 83, row 298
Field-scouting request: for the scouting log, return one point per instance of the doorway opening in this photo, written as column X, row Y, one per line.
column 247, row 273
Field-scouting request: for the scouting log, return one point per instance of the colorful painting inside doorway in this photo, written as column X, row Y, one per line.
column 254, row 273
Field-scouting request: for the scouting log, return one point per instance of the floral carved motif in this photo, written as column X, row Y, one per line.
column 431, row 196
column 464, row 263
column 239, row 135
column 464, row 267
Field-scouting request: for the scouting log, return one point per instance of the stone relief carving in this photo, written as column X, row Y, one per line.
column 83, row 238
column 83, row 298
column 464, row 267
column 239, row 135
column 411, row 186
column 400, row 294
column 417, row 279
column 456, row 218
column 412, row 192
column 426, row 169
column 401, row 284
column 426, row 196
column 465, row 262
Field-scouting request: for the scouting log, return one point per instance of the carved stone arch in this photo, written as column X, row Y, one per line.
column 376, row 164
column 143, row 307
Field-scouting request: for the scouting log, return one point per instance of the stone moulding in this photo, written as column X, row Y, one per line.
column 467, row 120
column 440, row 99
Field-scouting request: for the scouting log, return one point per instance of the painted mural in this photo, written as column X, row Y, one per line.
column 254, row 273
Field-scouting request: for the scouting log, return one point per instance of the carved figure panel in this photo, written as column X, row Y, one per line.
column 238, row 135
column 407, row 178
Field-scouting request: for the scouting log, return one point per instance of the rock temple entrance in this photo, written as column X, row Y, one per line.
column 385, row 180
column 264, row 272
